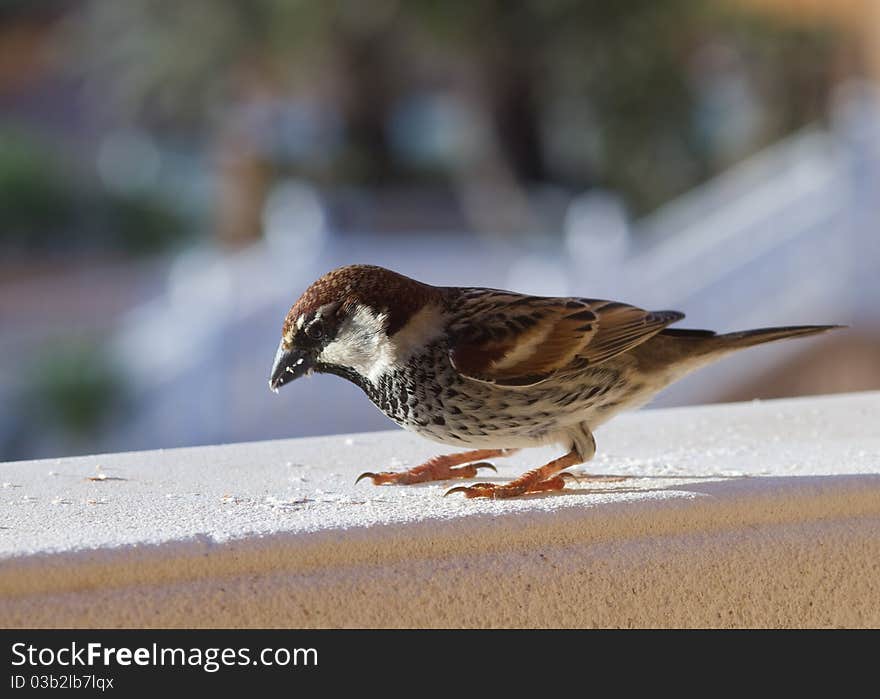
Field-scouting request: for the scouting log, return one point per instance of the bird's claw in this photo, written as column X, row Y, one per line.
column 472, row 491
column 513, row 489
column 484, row 464
column 387, row 478
column 420, row 475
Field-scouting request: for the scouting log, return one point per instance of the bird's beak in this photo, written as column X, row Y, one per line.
column 289, row 365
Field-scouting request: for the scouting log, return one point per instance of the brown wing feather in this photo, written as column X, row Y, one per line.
column 622, row 327
column 516, row 340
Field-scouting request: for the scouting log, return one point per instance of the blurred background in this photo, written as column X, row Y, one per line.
column 174, row 174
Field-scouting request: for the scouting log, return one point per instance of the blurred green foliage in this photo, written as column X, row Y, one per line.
column 630, row 70
column 47, row 202
column 145, row 223
column 74, row 387
column 36, row 192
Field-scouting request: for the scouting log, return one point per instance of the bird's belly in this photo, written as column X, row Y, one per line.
column 470, row 414
column 484, row 430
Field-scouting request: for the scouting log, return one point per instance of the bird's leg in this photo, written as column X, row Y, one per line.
column 440, row 468
column 535, row 481
column 540, row 479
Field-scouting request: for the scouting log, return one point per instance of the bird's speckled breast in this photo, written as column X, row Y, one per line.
column 429, row 397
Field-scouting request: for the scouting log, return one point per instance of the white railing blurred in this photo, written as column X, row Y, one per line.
column 788, row 236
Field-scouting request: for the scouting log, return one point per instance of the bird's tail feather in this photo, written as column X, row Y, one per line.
column 676, row 352
column 711, row 345
column 748, row 338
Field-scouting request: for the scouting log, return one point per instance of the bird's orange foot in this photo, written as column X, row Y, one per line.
column 421, row 475
column 440, row 468
column 528, row 484
column 512, row 489
column 538, row 480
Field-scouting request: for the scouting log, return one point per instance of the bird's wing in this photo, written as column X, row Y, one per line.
column 516, row 340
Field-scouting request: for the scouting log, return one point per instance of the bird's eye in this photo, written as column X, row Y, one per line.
column 315, row 329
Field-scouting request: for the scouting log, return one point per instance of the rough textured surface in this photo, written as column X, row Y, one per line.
column 753, row 514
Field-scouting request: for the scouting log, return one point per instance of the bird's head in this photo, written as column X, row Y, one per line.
column 358, row 321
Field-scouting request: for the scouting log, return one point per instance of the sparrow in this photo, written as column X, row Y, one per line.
column 494, row 371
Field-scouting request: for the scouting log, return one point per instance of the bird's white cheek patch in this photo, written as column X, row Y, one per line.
column 354, row 355
column 360, row 344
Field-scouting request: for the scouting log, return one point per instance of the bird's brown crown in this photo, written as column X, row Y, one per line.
column 380, row 289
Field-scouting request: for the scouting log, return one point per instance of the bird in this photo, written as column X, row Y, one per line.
column 493, row 371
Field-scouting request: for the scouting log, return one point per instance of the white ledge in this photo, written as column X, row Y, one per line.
column 753, row 514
